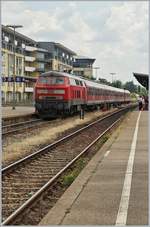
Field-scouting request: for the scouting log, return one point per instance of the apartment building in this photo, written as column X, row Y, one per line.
column 61, row 58
column 34, row 64
column 9, row 60
column 31, row 59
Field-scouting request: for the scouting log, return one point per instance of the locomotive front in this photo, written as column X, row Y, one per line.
column 51, row 94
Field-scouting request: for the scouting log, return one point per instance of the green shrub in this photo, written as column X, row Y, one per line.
column 70, row 177
column 67, row 180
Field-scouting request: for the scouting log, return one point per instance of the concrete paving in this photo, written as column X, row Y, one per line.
column 138, row 205
column 19, row 111
column 94, row 197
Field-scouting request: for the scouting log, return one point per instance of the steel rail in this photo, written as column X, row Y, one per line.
column 52, row 145
column 37, row 195
column 14, row 119
column 26, row 125
column 20, row 123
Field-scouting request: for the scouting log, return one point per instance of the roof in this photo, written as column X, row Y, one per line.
column 49, row 45
column 143, row 79
column 82, row 57
column 41, row 50
column 79, row 57
column 65, row 48
column 9, row 30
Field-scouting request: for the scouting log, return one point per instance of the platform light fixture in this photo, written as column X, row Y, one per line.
column 112, row 74
column 14, row 76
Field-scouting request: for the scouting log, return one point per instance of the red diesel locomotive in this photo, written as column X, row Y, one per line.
column 59, row 93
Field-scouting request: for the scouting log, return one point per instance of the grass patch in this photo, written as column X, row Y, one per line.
column 105, row 138
column 72, row 174
column 79, row 165
column 24, row 146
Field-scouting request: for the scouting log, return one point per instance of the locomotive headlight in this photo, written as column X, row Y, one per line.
column 59, row 91
column 42, row 91
column 41, row 97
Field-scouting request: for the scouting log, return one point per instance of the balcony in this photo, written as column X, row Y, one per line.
column 40, row 69
column 29, row 69
column 28, row 89
column 31, row 49
column 38, row 59
column 30, row 59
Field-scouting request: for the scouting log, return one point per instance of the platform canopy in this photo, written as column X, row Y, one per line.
column 143, row 79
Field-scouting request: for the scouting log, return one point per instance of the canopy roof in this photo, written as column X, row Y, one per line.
column 143, row 79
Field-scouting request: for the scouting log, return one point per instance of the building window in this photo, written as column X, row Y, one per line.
column 40, row 55
column 40, row 65
column 11, row 65
column 3, row 64
column 18, row 66
column 23, row 45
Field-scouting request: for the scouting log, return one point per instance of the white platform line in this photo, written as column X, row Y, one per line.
column 106, row 154
column 124, row 202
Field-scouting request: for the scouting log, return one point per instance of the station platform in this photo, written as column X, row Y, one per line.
column 113, row 188
column 7, row 112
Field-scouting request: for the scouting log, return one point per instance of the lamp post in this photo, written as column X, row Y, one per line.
column 14, row 49
column 124, row 94
column 112, row 74
column 96, row 68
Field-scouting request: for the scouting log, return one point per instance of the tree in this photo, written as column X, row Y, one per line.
column 143, row 91
column 104, row 81
column 93, row 78
column 130, row 86
column 117, row 83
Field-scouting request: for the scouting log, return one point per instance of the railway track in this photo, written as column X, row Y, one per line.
column 17, row 119
column 26, row 181
column 19, row 126
column 12, row 127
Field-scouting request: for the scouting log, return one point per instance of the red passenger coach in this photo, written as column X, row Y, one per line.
column 59, row 93
column 99, row 94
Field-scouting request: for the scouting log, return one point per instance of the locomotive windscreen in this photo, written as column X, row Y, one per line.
column 52, row 80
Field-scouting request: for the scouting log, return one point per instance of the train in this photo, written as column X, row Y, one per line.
column 60, row 93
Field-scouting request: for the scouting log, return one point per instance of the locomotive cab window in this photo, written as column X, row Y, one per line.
column 59, row 81
column 81, row 83
column 72, row 81
column 77, row 82
column 51, row 80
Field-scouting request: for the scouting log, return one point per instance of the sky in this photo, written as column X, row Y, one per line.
column 115, row 33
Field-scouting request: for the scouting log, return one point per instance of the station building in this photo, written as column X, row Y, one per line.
column 31, row 59
column 83, row 66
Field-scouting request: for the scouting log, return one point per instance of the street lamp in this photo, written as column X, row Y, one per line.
column 14, row 76
column 124, row 94
column 96, row 68
column 112, row 74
